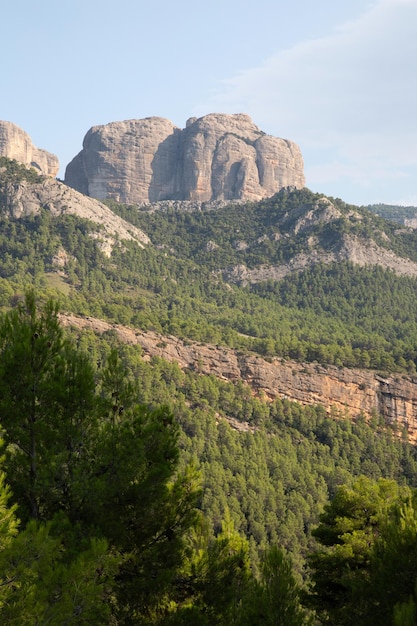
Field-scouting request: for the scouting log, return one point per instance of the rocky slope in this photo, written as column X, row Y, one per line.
column 25, row 198
column 16, row 144
column 349, row 248
column 352, row 391
column 216, row 157
column 306, row 220
column 309, row 220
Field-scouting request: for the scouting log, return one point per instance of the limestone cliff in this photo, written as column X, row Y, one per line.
column 16, row 144
column 216, row 157
column 25, row 198
column 352, row 391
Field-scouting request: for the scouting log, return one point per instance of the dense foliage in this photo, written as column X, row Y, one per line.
column 271, row 465
column 133, row 491
column 100, row 470
column 271, row 231
column 103, row 526
column 364, row 571
column 339, row 314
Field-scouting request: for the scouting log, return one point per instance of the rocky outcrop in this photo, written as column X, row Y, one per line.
column 216, row 157
column 307, row 219
column 349, row 248
column 354, row 392
column 16, row 144
column 26, row 198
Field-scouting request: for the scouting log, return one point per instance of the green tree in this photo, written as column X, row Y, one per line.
column 44, row 579
column 8, row 521
column 341, row 568
column 46, row 406
column 80, row 447
column 215, row 578
column 391, row 590
column 275, row 599
column 44, row 582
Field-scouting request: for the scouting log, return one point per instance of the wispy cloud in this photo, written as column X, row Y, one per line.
column 349, row 98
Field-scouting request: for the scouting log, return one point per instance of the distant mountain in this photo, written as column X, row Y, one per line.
column 216, row 157
column 244, row 242
column 296, row 276
column 403, row 214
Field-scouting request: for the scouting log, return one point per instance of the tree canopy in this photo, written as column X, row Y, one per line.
column 98, row 518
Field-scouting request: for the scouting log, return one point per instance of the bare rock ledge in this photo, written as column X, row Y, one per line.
column 352, row 391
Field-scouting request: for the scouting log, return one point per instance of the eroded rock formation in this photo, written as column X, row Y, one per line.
column 16, row 144
column 216, row 157
column 351, row 391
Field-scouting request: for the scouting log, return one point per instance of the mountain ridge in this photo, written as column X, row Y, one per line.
column 22, row 197
column 323, row 230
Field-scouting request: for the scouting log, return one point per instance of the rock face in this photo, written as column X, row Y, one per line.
column 16, row 144
column 354, row 392
column 216, row 157
column 26, row 198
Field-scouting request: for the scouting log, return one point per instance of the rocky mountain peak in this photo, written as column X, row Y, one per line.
column 215, row 157
column 16, row 144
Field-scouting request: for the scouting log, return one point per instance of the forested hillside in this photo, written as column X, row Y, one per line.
column 171, row 497
column 394, row 212
column 334, row 312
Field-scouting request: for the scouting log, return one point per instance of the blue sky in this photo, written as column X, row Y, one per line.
column 339, row 78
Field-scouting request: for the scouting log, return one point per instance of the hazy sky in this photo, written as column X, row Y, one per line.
column 338, row 77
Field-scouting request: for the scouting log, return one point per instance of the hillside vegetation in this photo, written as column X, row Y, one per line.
column 394, row 212
column 338, row 313
column 262, row 499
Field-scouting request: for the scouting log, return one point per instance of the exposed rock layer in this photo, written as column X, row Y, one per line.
column 350, row 248
column 352, row 390
column 16, row 144
column 26, row 198
column 216, row 157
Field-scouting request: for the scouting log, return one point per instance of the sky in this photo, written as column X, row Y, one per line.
column 338, row 77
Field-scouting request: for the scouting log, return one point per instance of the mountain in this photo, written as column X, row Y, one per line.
column 292, row 231
column 216, row 157
column 281, row 334
column 24, row 194
column 406, row 215
column 352, row 391
column 16, row 144
column 298, row 277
